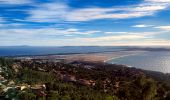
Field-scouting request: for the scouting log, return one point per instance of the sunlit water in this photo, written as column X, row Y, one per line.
column 155, row 61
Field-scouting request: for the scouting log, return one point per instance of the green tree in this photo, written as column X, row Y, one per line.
column 109, row 98
column 149, row 90
column 26, row 96
column 66, row 97
column 52, row 95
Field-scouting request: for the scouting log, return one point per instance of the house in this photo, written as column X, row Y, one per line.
column 38, row 87
column 1, row 77
column 11, row 82
column 69, row 78
column 117, row 84
column 16, row 67
column 93, row 83
column 39, row 90
column 83, row 82
column 23, row 87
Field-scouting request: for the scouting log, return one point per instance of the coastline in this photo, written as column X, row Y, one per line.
column 119, row 57
column 92, row 57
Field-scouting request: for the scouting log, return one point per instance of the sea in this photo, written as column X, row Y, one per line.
column 151, row 60
column 48, row 50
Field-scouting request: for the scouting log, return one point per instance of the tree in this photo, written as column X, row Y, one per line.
column 66, row 97
column 149, row 90
column 26, row 96
column 52, row 95
column 109, row 98
column 167, row 96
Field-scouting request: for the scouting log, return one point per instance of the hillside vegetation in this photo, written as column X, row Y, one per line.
column 38, row 80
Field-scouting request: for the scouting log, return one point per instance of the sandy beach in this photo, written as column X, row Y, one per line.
column 93, row 57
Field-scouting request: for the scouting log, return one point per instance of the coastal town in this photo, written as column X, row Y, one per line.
column 35, row 78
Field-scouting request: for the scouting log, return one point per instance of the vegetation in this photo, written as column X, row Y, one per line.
column 81, row 81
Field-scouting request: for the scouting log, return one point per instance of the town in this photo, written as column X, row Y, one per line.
column 35, row 79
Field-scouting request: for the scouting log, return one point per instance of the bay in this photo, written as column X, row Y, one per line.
column 152, row 60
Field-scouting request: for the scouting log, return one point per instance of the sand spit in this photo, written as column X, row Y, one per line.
column 93, row 57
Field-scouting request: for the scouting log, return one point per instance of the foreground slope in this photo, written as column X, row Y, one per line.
column 39, row 80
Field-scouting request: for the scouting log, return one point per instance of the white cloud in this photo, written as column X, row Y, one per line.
column 117, row 43
column 150, row 42
column 148, row 8
column 84, row 42
column 49, row 12
column 45, row 32
column 160, row 1
column 15, row 2
column 165, row 28
column 118, row 37
column 142, row 26
column 115, row 32
column 147, row 42
column 52, row 12
column 52, row 36
column 125, row 36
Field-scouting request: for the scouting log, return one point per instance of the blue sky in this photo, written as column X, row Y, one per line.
column 84, row 22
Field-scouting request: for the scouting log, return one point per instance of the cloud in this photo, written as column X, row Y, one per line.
column 147, row 42
column 115, row 32
column 150, row 42
column 84, row 42
column 15, row 2
column 43, row 32
column 41, row 37
column 159, row 1
column 51, row 12
column 118, row 37
column 102, row 41
column 165, row 28
column 142, row 26
column 117, row 43
column 74, row 36
column 125, row 36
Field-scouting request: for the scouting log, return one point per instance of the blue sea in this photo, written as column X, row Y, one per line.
column 152, row 60
column 41, row 50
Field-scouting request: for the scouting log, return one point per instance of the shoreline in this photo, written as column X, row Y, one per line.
column 92, row 57
column 95, row 57
column 118, row 57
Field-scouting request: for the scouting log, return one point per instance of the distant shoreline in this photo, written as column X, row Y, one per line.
column 119, row 57
column 32, row 55
column 92, row 57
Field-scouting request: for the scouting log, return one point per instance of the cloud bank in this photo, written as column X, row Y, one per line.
column 60, row 11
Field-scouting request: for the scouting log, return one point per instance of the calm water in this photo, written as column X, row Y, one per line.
column 155, row 61
column 29, row 50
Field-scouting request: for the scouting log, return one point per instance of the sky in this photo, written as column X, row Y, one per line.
column 85, row 22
